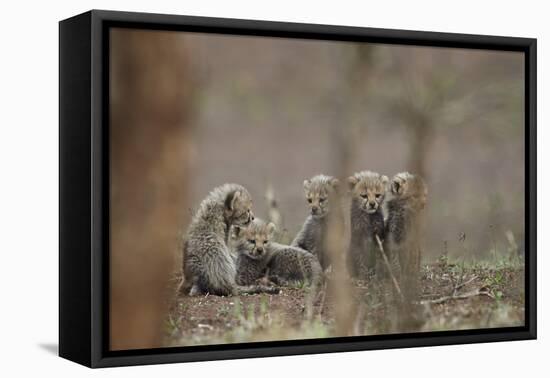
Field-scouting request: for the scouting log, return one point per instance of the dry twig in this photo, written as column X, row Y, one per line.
column 388, row 266
column 462, row 284
column 359, row 320
column 475, row 293
column 322, row 304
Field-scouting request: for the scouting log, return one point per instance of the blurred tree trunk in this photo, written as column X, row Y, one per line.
column 421, row 139
column 419, row 122
column 351, row 100
column 151, row 107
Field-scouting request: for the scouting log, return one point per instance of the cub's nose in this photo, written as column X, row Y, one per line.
column 372, row 205
column 260, row 250
column 314, row 209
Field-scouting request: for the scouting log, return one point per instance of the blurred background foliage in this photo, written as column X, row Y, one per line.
column 276, row 111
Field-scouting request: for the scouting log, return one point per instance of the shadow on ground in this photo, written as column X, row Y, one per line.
column 51, row 348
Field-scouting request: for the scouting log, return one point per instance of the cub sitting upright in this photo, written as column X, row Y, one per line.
column 402, row 236
column 368, row 190
column 259, row 256
column 207, row 263
column 249, row 245
column 311, row 237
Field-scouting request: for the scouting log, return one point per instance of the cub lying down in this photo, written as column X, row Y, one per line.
column 258, row 257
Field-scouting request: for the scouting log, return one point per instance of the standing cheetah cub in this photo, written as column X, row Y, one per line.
column 368, row 190
column 207, row 263
column 402, row 234
column 311, row 237
column 259, row 256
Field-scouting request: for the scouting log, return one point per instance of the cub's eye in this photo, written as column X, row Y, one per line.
column 309, row 200
column 252, row 241
column 265, row 241
column 364, row 196
column 321, row 200
column 378, row 195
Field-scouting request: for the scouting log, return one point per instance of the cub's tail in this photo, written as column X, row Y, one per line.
column 257, row 289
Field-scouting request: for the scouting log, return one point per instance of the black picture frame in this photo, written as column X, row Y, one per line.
column 84, row 187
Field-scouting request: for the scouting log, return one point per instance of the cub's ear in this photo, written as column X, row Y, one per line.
column 271, row 228
column 306, row 184
column 352, row 181
column 335, row 183
column 237, row 231
column 396, row 186
column 231, row 199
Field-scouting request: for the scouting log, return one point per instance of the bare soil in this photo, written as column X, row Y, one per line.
column 452, row 297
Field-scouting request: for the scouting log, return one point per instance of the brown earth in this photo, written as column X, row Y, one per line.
column 452, row 297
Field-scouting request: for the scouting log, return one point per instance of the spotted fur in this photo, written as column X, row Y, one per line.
column 408, row 199
column 318, row 192
column 259, row 256
column 207, row 263
column 368, row 191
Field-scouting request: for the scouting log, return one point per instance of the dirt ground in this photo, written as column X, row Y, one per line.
column 452, row 297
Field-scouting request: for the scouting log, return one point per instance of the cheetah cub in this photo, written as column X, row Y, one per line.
column 208, row 266
column 402, row 233
column 368, row 190
column 311, row 237
column 259, row 256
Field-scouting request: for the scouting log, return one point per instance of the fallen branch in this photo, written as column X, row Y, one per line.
column 388, row 266
column 206, row 326
column 471, row 294
column 461, row 285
